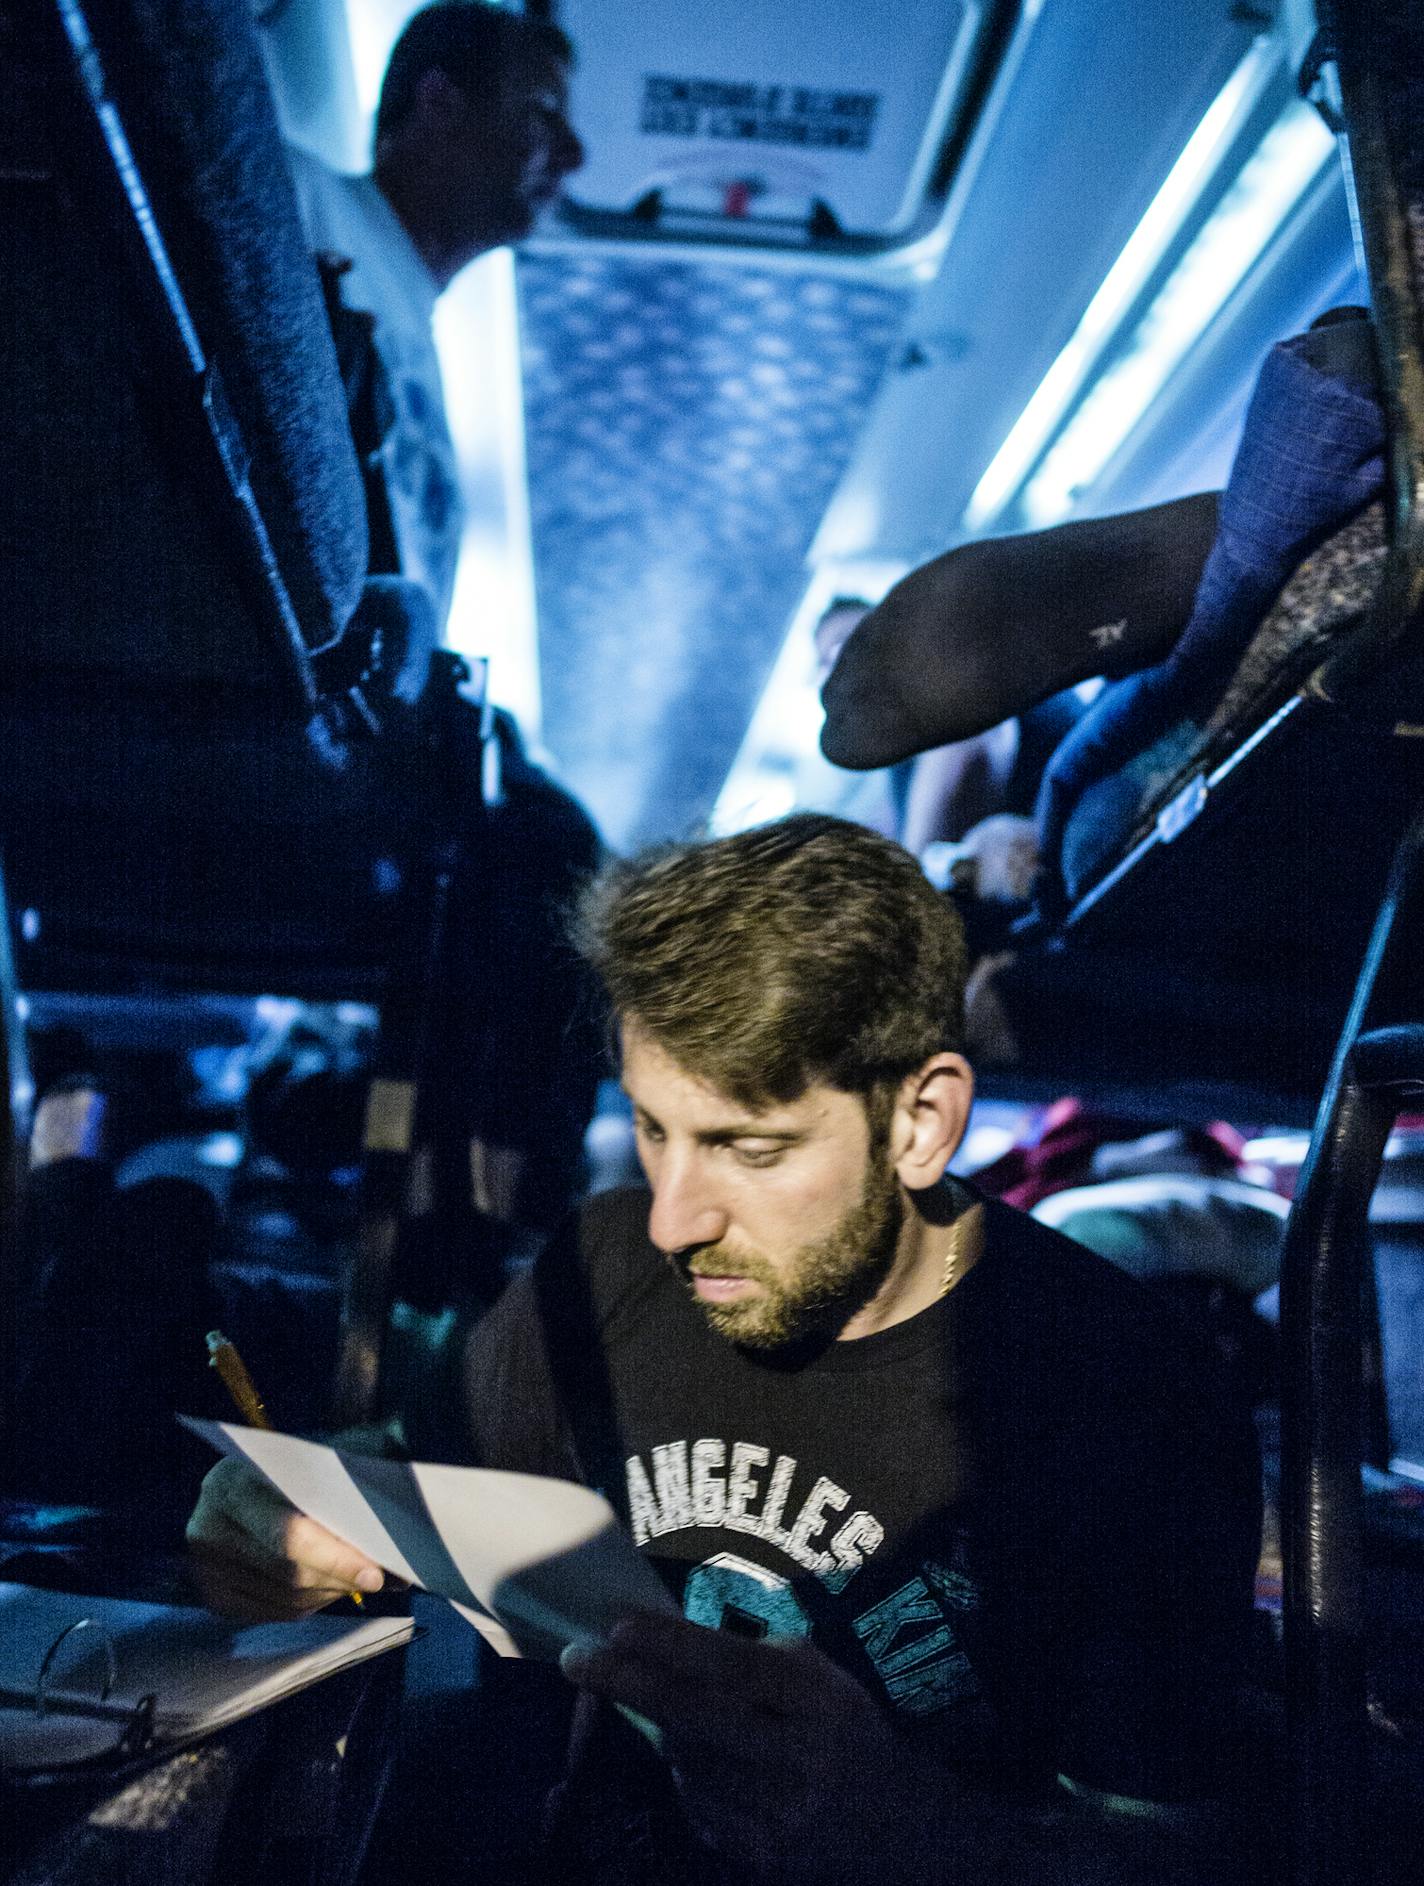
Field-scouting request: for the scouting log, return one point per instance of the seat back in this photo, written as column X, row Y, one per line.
column 191, row 794
column 187, row 512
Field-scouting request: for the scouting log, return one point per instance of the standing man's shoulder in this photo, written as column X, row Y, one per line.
column 344, row 214
column 319, row 188
column 336, row 214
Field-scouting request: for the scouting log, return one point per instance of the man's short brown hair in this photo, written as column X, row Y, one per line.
column 808, row 949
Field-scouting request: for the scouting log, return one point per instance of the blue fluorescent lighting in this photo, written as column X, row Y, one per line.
column 492, row 612
column 1290, row 158
column 1123, row 283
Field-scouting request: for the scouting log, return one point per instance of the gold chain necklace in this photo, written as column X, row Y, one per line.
column 954, row 1256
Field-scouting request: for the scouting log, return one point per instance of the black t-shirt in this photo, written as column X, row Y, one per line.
column 1024, row 1518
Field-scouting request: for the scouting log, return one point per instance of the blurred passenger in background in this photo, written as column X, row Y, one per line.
column 874, row 799
column 954, row 788
column 472, row 143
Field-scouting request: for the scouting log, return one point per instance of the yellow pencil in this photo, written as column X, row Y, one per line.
column 223, row 1356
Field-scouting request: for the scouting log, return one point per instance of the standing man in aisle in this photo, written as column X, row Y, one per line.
column 472, row 143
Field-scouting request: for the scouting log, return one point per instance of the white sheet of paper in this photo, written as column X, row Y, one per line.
column 533, row 1563
column 313, row 1478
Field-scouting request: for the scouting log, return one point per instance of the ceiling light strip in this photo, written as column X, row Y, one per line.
column 1129, row 275
column 1272, row 186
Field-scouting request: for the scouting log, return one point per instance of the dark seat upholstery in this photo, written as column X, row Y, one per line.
column 138, row 322
column 191, row 791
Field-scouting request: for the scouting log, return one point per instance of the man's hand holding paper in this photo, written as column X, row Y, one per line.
column 256, row 1556
column 782, row 1760
column 286, row 1525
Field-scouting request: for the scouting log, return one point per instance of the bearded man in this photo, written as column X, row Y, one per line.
column 958, row 1501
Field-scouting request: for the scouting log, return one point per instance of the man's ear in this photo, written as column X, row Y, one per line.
column 931, row 1113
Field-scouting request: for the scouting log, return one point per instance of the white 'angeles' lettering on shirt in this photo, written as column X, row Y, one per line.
column 910, row 1636
column 742, row 1489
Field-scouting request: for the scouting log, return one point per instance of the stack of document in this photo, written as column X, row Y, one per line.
column 96, row 1679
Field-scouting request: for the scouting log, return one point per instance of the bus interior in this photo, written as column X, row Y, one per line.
column 843, row 304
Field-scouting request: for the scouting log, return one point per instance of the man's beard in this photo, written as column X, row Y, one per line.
column 823, row 1285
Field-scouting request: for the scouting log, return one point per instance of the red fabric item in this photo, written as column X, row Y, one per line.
column 1070, row 1133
